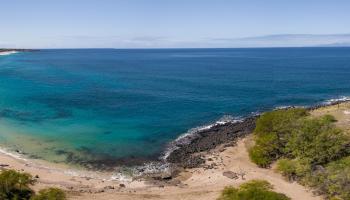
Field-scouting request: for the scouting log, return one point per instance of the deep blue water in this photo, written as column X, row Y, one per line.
column 113, row 104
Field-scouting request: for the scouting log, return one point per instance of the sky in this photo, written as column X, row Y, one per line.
column 168, row 23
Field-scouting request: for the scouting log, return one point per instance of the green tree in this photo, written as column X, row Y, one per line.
column 15, row 185
column 310, row 150
column 318, row 141
column 272, row 132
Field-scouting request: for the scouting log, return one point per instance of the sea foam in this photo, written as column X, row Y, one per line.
column 7, row 53
column 337, row 100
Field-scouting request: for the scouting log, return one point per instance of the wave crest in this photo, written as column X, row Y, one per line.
column 337, row 100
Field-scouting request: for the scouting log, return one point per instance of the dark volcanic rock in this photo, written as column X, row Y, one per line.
column 208, row 139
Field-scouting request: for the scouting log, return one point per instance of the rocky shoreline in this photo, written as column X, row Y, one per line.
column 190, row 153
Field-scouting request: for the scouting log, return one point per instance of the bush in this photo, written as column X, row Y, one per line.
column 279, row 121
column 328, row 118
column 293, row 169
column 263, row 153
column 287, row 167
column 310, row 150
column 272, row 132
column 318, row 141
column 15, row 185
column 252, row 190
column 50, row 194
column 334, row 180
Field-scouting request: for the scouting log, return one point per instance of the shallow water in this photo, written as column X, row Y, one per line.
column 123, row 105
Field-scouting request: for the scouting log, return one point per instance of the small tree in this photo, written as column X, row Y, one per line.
column 273, row 131
column 15, row 185
column 318, row 141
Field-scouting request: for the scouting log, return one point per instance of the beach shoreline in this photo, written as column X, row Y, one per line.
column 186, row 150
column 188, row 158
column 5, row 52
column 202, row 139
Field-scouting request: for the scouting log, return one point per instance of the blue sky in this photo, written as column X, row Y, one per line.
column 163, row 23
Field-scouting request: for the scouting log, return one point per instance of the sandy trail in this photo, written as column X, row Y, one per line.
column 206, row 184
column 199, row 183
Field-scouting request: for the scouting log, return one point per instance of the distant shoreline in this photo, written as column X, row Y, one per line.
column 4, row 52
column 18, row 50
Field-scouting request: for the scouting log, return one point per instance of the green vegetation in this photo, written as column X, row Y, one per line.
column 50, row 194
column 16, row 186
column 272, row 132
column 310, row 150
column 252, row 190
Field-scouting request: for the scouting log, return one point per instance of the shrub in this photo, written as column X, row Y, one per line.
column 264, row 150
column 279, row 121
column 328, row 118
column 335, row 179
column 252, row 190
column 318, row 141
column 15, row 185
column 272, row 132
column 310, row 150
column 50, row 194
column 287, row 167
column 294, row 169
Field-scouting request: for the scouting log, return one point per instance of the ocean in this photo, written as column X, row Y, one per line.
column 85, row 106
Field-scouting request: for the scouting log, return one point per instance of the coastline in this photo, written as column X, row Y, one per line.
column 191, row 155
column 190, row 148
column 5, row 52
column 185, row 151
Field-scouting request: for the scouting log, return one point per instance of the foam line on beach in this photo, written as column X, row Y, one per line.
column 5, row 53
column 12, row 154
column 337, row 100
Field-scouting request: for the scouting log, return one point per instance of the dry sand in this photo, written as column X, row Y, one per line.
column 5, row 53
column 201, row 183
column 198, row 183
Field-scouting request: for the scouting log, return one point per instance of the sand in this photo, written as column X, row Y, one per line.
column 203, row 183
column 5, row 53
column 341, row 112
column 199, row 183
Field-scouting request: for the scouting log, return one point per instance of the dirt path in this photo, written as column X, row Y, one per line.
column 205, row 184
column 201, row 183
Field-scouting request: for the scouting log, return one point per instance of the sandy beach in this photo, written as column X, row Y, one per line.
column 226, row 165
column 5, row 53
column 198, row 183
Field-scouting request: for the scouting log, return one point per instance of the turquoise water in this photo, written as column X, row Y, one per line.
column 105, row 105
